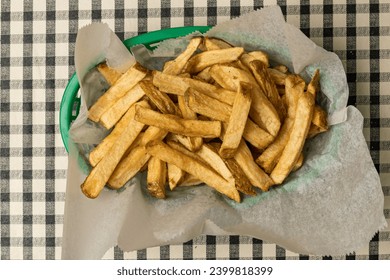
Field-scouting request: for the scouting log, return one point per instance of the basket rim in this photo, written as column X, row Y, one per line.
column 70, row 93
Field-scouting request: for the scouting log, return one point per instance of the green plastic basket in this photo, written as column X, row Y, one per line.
column 70, row 103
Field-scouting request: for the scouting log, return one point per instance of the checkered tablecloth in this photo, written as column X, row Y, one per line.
column 37, row 60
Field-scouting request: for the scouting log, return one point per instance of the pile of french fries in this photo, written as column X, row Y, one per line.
column 216, row 114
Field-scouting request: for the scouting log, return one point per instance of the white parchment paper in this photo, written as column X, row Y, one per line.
column 332, row 205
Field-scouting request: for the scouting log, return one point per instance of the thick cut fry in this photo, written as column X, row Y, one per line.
column 128, row 167
column 255, row 174
column 162, row 101
column 169, row 83
column 175, row 176
column 294, row 89
column 209, row 155
column 205, row 59
column 178, row 85
column 259, row 71
column 100, row 174
column 237, row 121
column 214, row 109
column 320, row 118
column 293, row 149
column 281, row 68
column 101, row 150
column 110, row 74
column 241, row 180
column 153, row 133
column 215, row 44
column 176, row 66
column 156, row 177
column 314, row 84
column 277, row 77
column 204, row 76
column 126, row 82
column 194, row 142
column 190, row 180
column 116, row 111
column 172, row 123
column 262, row 111
column 299, row 163
column 194, row 167
column 259, row 55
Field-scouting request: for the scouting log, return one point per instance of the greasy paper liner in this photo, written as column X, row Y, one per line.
column 332, row 205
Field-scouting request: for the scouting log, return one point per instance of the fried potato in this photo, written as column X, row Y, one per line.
column 110, row 74
column 156, row 177
column 255, row 174
column 320, row 118
column 172, row 123
column 176, row 176
column 176, row 66
column 214, row 109
column 128, row 167
column 299, row 163
column 215, row 44
column 314, row 84
column 190, row 180
column 237, row 121
column 100, row 174
column 293, row 149
column 262, row 111
column 277, row 77
column 161, row 100
column 126, row 82
column 119, row 108
column 194, row 167
column 101, row 150
column 259, row 55
column 207, row 58
column 194, row 142
column 268, row 159
column 259, row 71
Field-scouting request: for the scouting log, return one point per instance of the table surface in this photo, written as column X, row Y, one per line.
column 37, row 60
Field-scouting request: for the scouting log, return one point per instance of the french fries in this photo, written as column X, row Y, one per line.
column 215, row 115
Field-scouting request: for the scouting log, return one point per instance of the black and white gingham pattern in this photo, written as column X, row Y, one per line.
column 37, row 45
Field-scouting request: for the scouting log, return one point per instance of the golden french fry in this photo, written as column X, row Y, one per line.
column 281, row 68
column 194, row 142
column 128, row 167
column 262, row 111
column 320, row 118
column 194, row 167
column 156, row 177
column 211, row 43
column 126, row 82
column 178, row 85
column 161, row 100
column 116, row 111
column 101, row 150
column 205, row 76
column 210, row 156
column 153, row 133
column 214, row 109
column 110, row 74
column 299, row 163
column 294, row 89
column 190, row 180
column 259, row 71
column 259, row 55
column 172, row 123
column 176, row 66
column 175, row 176
column 100, row 174
column 242, row 182
column 277, row 77
column 314, row 84
column 255, row 174
column 205, row 59
column 237, row 120
column 294, row 146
